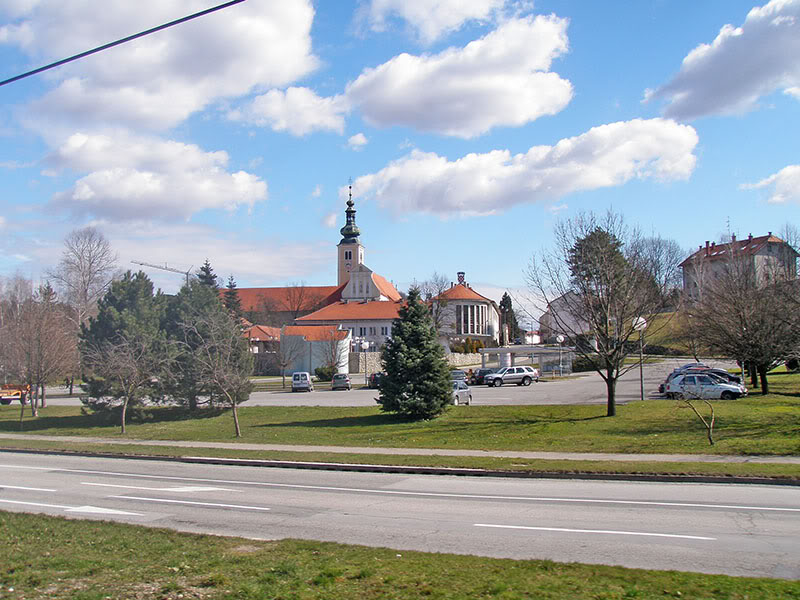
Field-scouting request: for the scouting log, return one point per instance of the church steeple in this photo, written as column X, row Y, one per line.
column 350, row 230
column 350, row 250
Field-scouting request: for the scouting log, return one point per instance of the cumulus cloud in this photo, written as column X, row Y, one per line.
column 298, row 110
column 784, row 185
column 741, row 65
column 431, row 19
column 357, row 141
column 502, row 79
column 330, row 220
column 135, row 178
column 317, row 192
column 158, row 81
column 793, row 91
column 604, row 156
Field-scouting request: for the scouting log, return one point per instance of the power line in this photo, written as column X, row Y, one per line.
column 58, row 63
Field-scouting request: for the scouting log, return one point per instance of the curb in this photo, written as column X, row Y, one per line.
column 412, row 470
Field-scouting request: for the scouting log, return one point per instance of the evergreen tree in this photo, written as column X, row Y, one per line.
column 207, row 276
column 508, row 318
column 417, row 382
column 231, row 299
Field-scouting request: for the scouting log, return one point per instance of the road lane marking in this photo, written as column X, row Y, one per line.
column 29, row 489
column 409, row 493
column 171, row 501
column 188, row 488
column 81, row 509
column 599, row 531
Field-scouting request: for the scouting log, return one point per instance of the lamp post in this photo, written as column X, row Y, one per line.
column 364, row 348
column 560, row 340
column 640, row 324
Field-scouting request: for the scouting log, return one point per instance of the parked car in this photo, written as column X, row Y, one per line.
column 301, row 382
column 341, row 381
column 374, row 381
column 705, row 386
column 458, row 374
column 478, row 376
column 461, row 392
column 730, row 377
column 519, row 375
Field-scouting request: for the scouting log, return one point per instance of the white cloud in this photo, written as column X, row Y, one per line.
column 330, row 220
column 784, row 185
column 502, row 79
column 298, row 110
column 244, row 259
column 317, row 191
column 158, row 81
column 2, row 221
column 605, row 156
column 793, row 91
column 431, row 18
column 740, row 66
column 357, row 141
column 141, row 178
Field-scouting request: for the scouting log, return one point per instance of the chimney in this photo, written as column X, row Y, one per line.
column 460, row 276
column 769, row 233
column 706, row 247
column 733, row 237
column 749, row 237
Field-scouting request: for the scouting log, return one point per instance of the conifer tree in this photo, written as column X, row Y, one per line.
column 231, row 298
column 417, row 382
column 207, row 276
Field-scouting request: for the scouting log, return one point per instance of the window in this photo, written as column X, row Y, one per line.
column 384, row 331
column 372, row 331
column 362, row 331
column 458, row 320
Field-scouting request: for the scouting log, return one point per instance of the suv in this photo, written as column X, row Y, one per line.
column 479, row 375
column 301, row 382
column 518, row 375
column 458, row 374
column 375, row 380
column 341, row 381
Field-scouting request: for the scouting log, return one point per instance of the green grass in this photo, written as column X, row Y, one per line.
column 50, row 557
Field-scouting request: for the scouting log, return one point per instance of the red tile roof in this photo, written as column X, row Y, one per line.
column 386, row 288
column 290, row 298
column 356, row 311
column 263, row 333
column 316, row 333
column 462, row 292
column 748, row 245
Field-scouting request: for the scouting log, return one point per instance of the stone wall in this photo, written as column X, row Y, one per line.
column 464, row 360
column 373, row 361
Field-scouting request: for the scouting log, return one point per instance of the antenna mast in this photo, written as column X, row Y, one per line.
column 165, row 268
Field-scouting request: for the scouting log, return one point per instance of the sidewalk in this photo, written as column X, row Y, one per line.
column 599, row 456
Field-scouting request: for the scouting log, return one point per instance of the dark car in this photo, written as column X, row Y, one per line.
column 477, row 376
column 457, row 374
column 375, row 380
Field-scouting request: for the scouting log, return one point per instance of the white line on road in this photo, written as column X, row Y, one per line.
column 82, row 509
column 171, row 501
column 29, row 489
column 410, row 493
column 188, row 488
column 599, row 531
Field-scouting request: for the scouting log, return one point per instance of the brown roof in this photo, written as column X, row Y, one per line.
column 386, row 288
column 356, row 311
column 316, row 333
column 263, row 333
column 749, row 245
column 462, row 292
column 288, row 299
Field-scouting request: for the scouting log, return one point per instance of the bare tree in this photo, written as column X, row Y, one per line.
column 603, row 277
column 332, row 351
column 222, row 359
column 431, row 291
column 291, row 348
column 708, row 422
column 301, row 299
column 86, row 268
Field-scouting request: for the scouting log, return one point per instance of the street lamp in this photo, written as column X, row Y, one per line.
column 640, row 324
column 364, row 348
column 560, row 340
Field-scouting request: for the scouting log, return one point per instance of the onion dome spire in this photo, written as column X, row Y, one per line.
column 350, row 231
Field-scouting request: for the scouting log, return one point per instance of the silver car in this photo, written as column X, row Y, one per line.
column 461, row 393
column 704, row 386
column 519, row 375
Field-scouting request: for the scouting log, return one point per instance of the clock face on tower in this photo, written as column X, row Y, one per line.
column 347, row 265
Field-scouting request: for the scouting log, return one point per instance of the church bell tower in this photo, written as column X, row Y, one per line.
column 350, row 250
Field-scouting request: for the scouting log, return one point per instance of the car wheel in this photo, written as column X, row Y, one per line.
column 526, row 381
column 498, row 382
column 469, row 400
column 726, row 395
column 455, row 401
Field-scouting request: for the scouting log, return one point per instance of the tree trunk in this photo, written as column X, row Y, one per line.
column 44, row 397
column 611, row 388
column 71, row 381
column 762, row 371
column 192, row 403
column 21, row 411
column 124, row 410
column 753, row 376
column 32, row 402
column 236, row 421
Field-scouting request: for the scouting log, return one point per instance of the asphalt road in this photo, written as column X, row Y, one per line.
column 583, row 388
column 751, row 530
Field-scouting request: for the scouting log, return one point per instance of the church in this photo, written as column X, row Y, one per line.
column 362, row 305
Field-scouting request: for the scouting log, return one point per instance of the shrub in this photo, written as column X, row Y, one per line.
column 324, row 373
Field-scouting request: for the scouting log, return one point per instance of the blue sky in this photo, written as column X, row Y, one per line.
column 468, row 127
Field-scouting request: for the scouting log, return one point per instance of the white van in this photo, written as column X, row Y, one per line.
column 301, row 382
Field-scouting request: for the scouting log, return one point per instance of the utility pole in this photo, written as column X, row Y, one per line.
column 165, row 268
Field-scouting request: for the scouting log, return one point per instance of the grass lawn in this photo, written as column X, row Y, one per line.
column 51, row 557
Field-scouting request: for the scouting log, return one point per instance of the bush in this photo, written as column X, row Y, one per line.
column 324, row 373
column 582, row 364
column 792, row 364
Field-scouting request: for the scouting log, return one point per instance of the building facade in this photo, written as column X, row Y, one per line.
column 462, row 312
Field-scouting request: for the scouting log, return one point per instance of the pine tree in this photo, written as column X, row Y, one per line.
column 207, row 276
column 231, row 298
column 417, row 382
column 509, row 318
